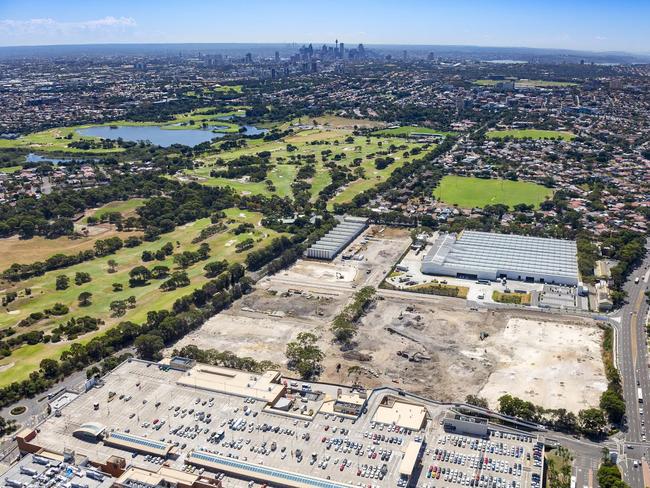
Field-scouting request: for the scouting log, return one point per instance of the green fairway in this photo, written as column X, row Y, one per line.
column 149, row 297
column 345, row 149
column 10, row 169
column 530, row 134
column 477, row 192
column 410, row 130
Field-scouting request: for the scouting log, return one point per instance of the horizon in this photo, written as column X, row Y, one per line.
column 597, row 26
column 320, row 43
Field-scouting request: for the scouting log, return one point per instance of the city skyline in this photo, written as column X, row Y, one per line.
column 590, row 26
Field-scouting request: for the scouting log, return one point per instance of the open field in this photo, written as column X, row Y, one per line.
column 57, row 139
column 310, row 142
column 16, row 250
column 216, row 89
column 10, row 169
column 149, row 297
column 478, row 192
column 553, row 364
column 452, row 361
column 530, row 134
column 338, row 122
column 126, row 208
column 529, row 83
column 409, row 130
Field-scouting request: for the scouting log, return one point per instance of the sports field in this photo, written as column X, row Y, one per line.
column 529, row 83
column 470, row 192
column 410, row 130
column 149, row 297
column 530, row 134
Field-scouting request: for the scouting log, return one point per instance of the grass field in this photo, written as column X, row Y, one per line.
column 409, row 130
column 15, row 250
column 215, row 89
column 530, row 134
column 10, row 169
column 283, row 175
column 477, row 192
column 529, row 83
column 149, row 297
column 126, row 208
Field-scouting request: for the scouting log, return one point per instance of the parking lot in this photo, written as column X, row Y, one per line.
column 503, row 460
column 144, row 400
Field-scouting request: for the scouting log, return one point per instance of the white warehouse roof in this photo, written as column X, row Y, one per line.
column 488, row 256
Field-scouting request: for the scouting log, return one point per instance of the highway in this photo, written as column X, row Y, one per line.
column 632, row 363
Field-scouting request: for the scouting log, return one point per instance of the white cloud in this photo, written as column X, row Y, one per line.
column 49, row 25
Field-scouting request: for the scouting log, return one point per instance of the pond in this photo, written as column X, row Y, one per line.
column 37, row 158
column 163, row 137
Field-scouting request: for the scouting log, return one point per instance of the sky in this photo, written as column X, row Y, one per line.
column 594, row 25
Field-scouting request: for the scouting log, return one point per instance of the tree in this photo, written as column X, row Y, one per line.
column 112, row 266
column 62, row 282
column 476, row 401
column 82, row 277
column 304, row 355
column 592, row 421
column 84, row 298
column 609, row 476
column 159, row 272
column 149, row 346
column 139, row 276
column 117, row 287
column 50, row 368
column 118, row 307
column 612, row 403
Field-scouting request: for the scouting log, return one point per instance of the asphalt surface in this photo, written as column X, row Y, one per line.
column 632, row 362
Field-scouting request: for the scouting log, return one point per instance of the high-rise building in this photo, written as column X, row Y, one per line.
column 277, row 56
column 249, row 58
column 342, row 50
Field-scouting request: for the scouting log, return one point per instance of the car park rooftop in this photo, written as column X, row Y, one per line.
column 159, row 424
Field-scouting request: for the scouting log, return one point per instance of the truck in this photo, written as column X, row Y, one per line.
column 639, row 394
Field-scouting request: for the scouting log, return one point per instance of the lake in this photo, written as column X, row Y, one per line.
column 37, row 158
column 153, row 133
column 162, row 137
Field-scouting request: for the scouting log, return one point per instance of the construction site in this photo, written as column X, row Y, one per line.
column 439, row 347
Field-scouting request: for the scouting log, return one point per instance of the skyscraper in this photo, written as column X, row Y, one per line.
column 277, row 56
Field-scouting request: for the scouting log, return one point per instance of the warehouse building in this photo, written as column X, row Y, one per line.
column 337, row 239
column 485, row 256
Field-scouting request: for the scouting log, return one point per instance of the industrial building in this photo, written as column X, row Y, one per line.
column 156, row 426
column 337, row 239
column 486, row 256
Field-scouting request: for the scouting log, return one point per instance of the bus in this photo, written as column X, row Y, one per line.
column 639, row 393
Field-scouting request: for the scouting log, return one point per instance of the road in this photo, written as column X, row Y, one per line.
column 632, row 363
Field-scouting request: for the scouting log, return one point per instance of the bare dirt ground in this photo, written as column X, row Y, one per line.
column 554, row 364
column 261, row 324
column 551, row 361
